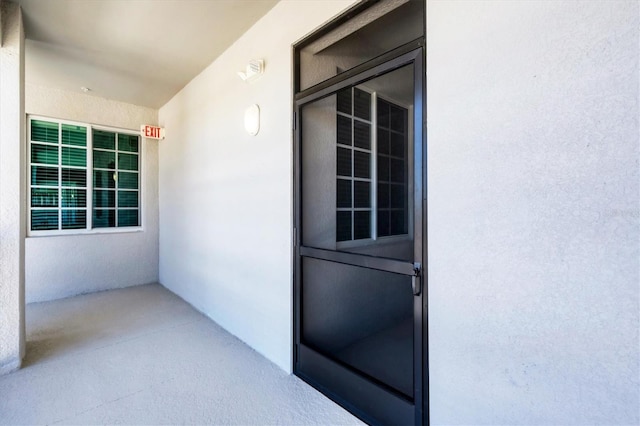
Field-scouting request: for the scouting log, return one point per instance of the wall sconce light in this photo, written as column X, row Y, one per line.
column 254, row 69
column 252, row 119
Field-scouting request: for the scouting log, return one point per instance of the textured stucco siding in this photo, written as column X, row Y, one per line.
column 12, row 206
column 62, row 266
column 225, row 196
column 533, row 194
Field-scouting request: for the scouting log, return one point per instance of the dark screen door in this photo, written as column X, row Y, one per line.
column 359, row 241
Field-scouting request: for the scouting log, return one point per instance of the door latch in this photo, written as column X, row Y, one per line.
column 416, row 279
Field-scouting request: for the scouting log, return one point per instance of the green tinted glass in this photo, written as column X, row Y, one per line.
column 44, row 219
column 44, row 154
column 103, row 198
column 74, row 135
column 74, row 219
column 127, row 180
column 44, row 176
column 72, row 197
column 44, row 131
column 127, row 143
column 104, row 218
column 104, row 160
column 74, row 157
column 74, row 177
column 104, row 179
column 44, row 197
column 127, row 198
column 127, row 161
column 127, row 218
column 104, row 140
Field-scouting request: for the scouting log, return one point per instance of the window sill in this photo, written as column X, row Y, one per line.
column 79, row 232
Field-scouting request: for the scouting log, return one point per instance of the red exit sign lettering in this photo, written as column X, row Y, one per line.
column 152, row 132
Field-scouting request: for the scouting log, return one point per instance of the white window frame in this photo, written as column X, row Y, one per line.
column 375, row 239
column 89, row 230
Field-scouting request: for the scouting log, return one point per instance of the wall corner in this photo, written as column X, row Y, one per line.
column 12, row 189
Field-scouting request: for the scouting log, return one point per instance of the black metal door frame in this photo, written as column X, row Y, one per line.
column 336, row 379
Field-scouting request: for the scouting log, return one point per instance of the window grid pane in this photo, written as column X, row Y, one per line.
column 116, row 180
column 58, row 186
column 127, row 217
column 44, row 219
column 74, row 135
column 74, row 219
column 104, row 179
column 128, row 143
column 128, row 199
column 104, row 218
column 44, row 131
column 104, row 159
column 44, row 197
column 72, row 197
column 44, row 154
column 61, row 185
column 127, row 180
column 74, row 177
column 104, row 140
column 44, row 176
column 102, row 198
column 74, row 157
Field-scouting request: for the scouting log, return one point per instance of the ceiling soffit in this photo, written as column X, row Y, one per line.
column 137, row 51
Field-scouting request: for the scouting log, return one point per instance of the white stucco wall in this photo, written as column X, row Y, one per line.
column 62, row 266
column 12, row 194
column 225, row 196
column 533, row 147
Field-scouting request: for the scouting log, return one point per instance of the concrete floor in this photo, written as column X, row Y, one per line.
column 141, row 355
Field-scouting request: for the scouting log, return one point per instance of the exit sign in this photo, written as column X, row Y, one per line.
column 151, row 132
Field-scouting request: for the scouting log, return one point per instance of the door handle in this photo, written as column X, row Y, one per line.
column 416, row 279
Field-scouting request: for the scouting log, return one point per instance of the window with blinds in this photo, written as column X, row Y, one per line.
column 82, row 178
column 115, row 180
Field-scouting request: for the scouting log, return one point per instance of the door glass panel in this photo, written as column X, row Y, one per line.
column 360, row 39
column 357, row 168
column 362, row 318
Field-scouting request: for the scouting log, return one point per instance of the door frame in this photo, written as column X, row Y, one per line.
column 410, row 53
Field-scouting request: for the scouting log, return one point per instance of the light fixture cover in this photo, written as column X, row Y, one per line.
column 254, row 69
column 252, row 119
